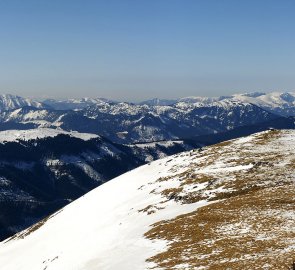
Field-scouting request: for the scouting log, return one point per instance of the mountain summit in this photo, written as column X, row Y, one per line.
column 10, row 102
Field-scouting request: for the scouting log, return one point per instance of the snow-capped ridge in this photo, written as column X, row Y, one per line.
column 40, row 133
column 10, row 102
column 282, row 103
column 76, row 104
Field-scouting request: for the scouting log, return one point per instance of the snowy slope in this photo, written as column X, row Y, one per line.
column 102, row 230
column 39, row 133
column 229, row 182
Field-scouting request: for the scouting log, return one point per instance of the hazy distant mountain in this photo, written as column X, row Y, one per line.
column 10, row 102
column 282, row 103
column 75, row 104
column 203, row 100
column 158, row 102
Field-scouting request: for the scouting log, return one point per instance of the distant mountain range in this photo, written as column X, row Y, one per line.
column 133, row 123
column 282, row 103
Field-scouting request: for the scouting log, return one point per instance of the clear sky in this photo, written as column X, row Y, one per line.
column 139, row 49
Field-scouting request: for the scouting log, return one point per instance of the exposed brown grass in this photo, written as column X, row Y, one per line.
column 251, row 224
column 224, row 235
column 266, row 137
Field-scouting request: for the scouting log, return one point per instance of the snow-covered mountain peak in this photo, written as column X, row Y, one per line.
column 226, row 104
column 193, row 99
column 89, row 100
column 159, row 102
column 282, row 103
column 271, row 100
column 77, row 103
column 10, row 102
column 174, row 213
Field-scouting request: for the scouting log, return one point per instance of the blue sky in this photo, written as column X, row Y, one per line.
column 139, row 49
